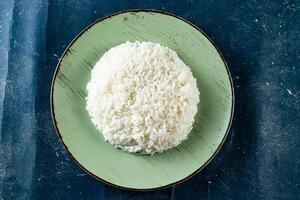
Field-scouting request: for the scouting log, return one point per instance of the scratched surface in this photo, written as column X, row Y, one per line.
column 260, row 41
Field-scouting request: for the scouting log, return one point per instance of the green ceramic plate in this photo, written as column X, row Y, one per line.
column 114, row 166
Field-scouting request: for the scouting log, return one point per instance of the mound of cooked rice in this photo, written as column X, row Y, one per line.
column 142, row 97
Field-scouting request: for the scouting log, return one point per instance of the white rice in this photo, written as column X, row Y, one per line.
column 142, row 97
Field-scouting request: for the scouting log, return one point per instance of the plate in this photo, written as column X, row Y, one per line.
column 114, row 166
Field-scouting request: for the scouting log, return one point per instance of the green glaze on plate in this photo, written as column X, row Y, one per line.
column 114, row 166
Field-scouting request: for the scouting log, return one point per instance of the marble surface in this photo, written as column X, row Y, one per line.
column 259, row 40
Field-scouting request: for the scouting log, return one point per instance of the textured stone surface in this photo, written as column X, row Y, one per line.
column 260, row 41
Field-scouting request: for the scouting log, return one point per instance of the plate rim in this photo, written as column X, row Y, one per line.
column 136, row 11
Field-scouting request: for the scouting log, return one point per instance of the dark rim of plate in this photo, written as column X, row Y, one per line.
column 176, row 182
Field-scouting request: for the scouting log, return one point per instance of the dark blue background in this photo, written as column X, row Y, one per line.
column 260, row 41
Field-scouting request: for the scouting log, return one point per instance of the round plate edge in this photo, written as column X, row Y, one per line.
column 160, row 187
